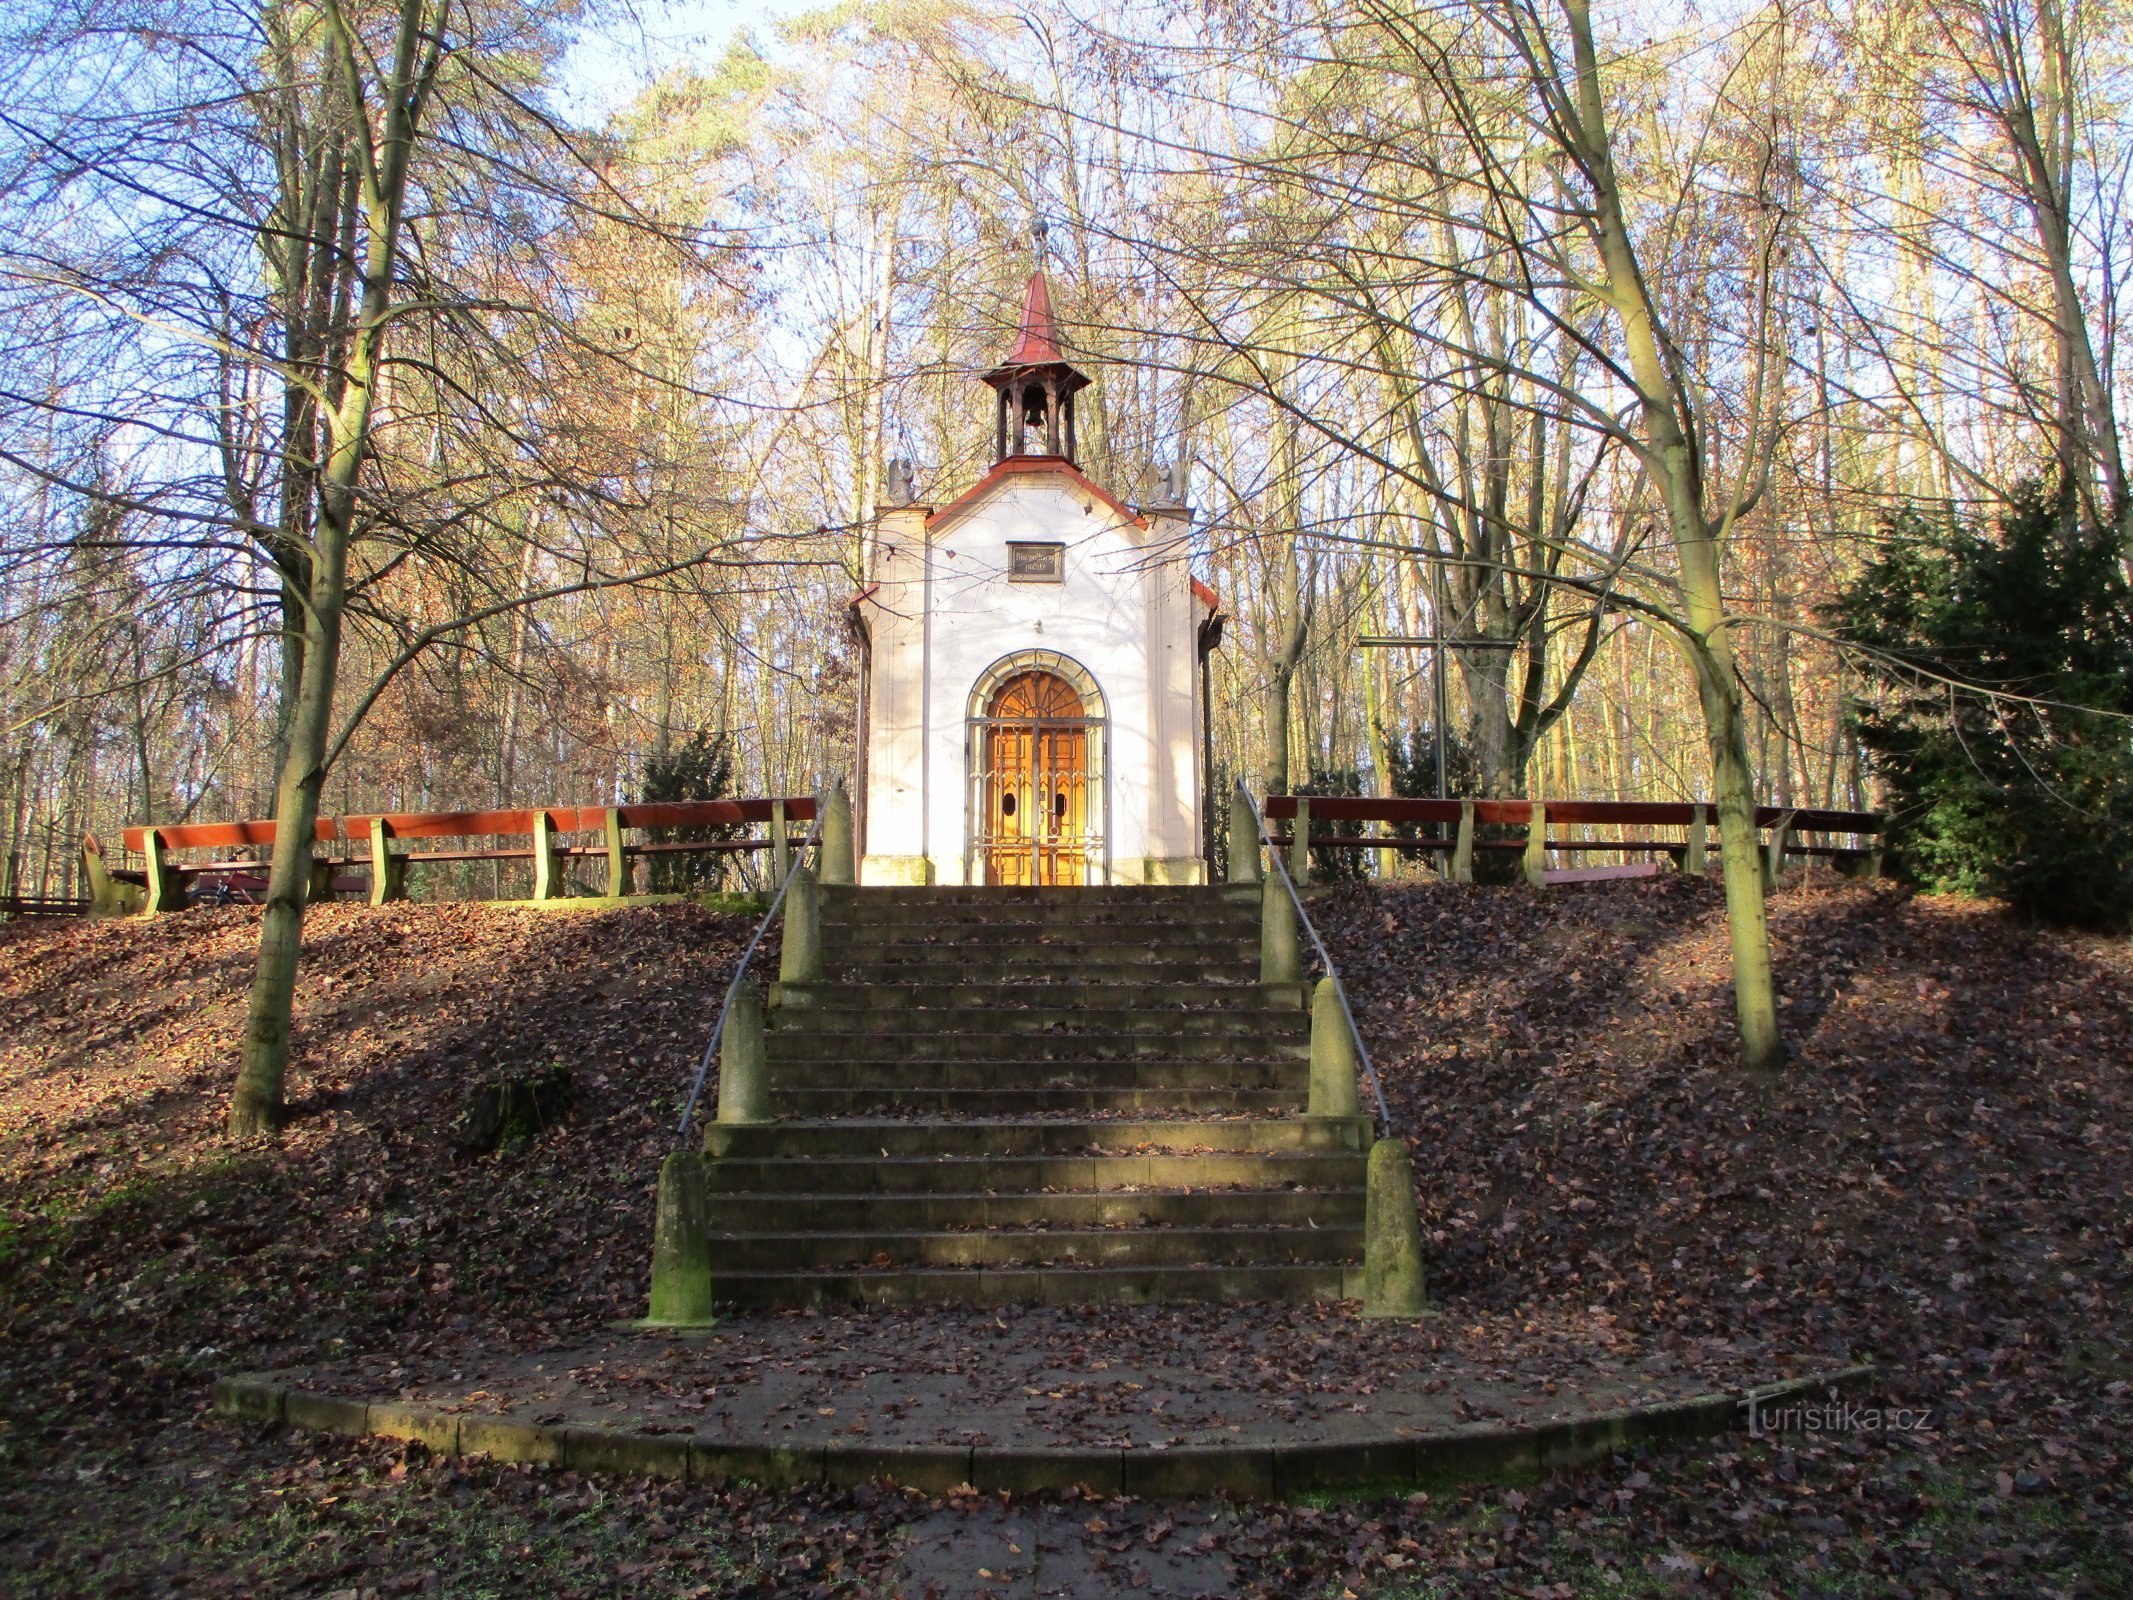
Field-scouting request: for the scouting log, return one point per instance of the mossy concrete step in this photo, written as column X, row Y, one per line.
column 896, row 1137
column 1155, row 1073
column 847, row 1100
column 985, row 999
column 953, row 895
column 1311, row 1169
column 1201, row 1285
column 1222, row 1022
column 908, row 1213
column 1044, row 972
column 993, row 949
column 1011, row 1247
column 799, row 1046
column 1075, row 912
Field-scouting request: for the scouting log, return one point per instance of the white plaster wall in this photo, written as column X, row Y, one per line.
column 1125, row 612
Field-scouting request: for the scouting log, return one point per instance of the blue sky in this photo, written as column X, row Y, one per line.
column 623, row 50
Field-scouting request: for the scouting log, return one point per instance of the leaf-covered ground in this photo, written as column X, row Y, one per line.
column 1939, row 1182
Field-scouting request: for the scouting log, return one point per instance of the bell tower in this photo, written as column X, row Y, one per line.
column 1036, row 384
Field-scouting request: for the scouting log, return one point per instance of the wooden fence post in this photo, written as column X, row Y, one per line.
column 318, row 888
column 108, row 896
column 166, row 890
column 1537, row 844
column 547, row 862
column 1696, row 860
column 1463, row 849
column 780, row 846
column 1300, row 846
column 618, row 860
column 388, row 870
column 1774, row 862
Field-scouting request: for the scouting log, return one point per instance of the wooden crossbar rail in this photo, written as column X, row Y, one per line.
column 377, row 836
column 461, row 824
column 1650, row 813
column 1454, row 832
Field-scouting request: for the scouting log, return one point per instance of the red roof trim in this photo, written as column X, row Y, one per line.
column 1035, row 466
column 1205, row 595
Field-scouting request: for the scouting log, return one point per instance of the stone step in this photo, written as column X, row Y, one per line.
column 981, row 1000
column 1063, row 952
column 1289, row 1073
column 1219, row 920
column 980, row 968
column 1222, row 1022
column 909, row 1213
column 797, row 1045
column 1313, row 1169
column 943, row 896
column 832, row 1100
column 1201, row 1285
column 897, row 1138
column 1010, row 1247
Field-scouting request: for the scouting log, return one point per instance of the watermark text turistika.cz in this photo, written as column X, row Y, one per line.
column 1834, row 1416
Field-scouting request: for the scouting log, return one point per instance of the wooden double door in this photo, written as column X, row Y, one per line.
column 1034, row 789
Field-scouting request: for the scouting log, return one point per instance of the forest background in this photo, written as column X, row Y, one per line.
column 653, row 348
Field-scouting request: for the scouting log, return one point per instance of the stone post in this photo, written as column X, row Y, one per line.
column 1280, row 954
column 780, row 846
column 1333, row 1063
column 1463, row 848
column 1300, row 845
column 1537, row 844
column 1696, row 860
column 388, row 870
column 681, row 1244
column 547, row 859
column 1393, row 1282
column 743, row 1066
column 837, row 835
column 800, row 957
column 618, row 860
column 166, row 890
column 1243, row 837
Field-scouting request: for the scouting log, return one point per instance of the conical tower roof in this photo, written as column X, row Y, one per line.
column 1036, row 348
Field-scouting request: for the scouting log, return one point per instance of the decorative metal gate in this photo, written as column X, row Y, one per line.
column 1036, row 790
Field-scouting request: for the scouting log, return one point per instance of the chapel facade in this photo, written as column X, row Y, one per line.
column 1032, row 704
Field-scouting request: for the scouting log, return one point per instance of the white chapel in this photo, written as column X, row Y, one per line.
column 1032, row 698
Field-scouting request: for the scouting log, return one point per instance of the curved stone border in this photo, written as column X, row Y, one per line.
column 1234, row 1471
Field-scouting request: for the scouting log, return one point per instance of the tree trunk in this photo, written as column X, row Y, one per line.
column 258, row 1104
column 1676, row 464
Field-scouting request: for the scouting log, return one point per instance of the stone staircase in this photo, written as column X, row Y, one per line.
column 1064, row 1096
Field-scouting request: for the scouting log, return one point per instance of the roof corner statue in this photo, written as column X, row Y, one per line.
column 1032, row 695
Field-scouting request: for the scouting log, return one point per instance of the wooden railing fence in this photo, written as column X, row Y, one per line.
column 1448, row 829
column 163, row 882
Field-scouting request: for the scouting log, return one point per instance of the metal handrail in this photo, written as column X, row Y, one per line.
column 740, row 974
column 1340, row 990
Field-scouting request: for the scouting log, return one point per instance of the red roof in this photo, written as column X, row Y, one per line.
column 1205, row 595
column 1018, row 466
column 1037, row 345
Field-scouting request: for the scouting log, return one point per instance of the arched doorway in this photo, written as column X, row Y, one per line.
column 1036, row 794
